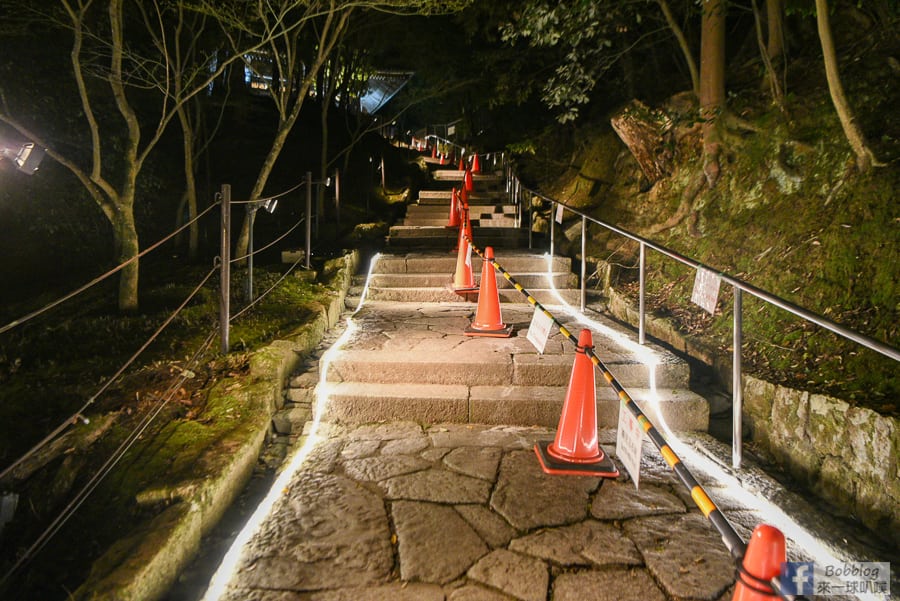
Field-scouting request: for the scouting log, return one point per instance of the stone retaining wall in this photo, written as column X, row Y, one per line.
column 144, row 565
column 848, row 455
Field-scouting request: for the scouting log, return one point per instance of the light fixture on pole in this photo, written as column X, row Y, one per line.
column 268, row 205
column 26, row 157
column 309, row 212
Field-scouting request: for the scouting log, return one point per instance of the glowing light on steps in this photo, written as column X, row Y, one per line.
column 228, row 567
column 771, row 513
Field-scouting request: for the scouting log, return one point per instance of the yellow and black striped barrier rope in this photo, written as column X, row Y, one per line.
column 733, row 542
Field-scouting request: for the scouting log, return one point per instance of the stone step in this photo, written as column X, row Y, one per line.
column 439, row 280
column 481, row 365
column 447, row 175
column 442, row 197
column 486, row 220
column 514, row 262
column 441, row 237
column 355, row 402
column 447, row 295
column 432, row 211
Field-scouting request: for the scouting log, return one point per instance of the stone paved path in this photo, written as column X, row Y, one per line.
column 464, row 513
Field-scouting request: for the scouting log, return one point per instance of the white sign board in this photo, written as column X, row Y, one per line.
column 628, row 443
column 706, row 290
column 559, row 213
column 539, row 330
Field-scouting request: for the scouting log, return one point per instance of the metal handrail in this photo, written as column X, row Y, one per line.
column 739, row 286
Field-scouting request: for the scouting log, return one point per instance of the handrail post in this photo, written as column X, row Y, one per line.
column 251, row 217
column 225, row 269
column 583, row 260
column 642, row 296
column 337, row 198
column 737, row 388
column 308, row 217
column 552, row 229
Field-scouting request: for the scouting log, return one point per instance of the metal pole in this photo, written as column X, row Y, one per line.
column 526, row 204
column 642, row 302
column 337, row 196
column 383, row 177
column 308, row 217
column 251, row 210
column 225, row 268
column 583, row 260
column 737, row 389
column 552, row 228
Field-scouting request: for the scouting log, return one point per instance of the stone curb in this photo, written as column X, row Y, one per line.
column 849, row 455
column 144, row 565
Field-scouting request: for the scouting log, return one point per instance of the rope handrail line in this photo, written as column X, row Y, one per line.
column 109, row 464
column 78, row 415
column 272, row 243
column 733, row 542
column 271, row 196
column 268, row 290
column 864, row 340
column 17, row 322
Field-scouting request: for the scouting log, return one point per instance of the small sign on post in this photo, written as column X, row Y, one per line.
column 628, row 443
column 559, row 213
column 539, row 330
column 706, row 290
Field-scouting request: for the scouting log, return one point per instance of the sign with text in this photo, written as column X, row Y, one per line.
column 706, row 290
column 559, row 213
column 628, row 443
column 539, row 330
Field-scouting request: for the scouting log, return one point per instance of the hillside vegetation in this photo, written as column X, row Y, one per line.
column 791, row 214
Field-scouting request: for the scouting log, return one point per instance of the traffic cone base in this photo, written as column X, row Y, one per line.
column 602, row 468
column 504, row 332
column 488, row 320
column 575, row 450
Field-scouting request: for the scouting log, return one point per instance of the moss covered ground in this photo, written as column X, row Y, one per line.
column 791, row 214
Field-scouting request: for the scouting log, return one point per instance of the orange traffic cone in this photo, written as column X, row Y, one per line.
column 467, row 180
column 434, row 151
column 453, row 220
column 576, row 451
column 488, row 320
column 763, row 559
column 462, row 163
column 463, row 278
column 476, row 165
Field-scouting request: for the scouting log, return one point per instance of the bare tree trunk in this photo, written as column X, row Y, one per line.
column 125, row 239
column 864, row 156
column 190, row 182
column 775, row 29
column 771, row 78
column 712, row 84
column 682, row 43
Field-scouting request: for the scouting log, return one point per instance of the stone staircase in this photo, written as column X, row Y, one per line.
column 426, row 276
column 408, row 358
column 493, row 217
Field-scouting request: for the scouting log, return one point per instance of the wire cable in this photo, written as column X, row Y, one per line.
column 270, row 197
column 17, row 322
column 110, row 463
column 78, row 415
column 272, row 243
column 268, row 290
